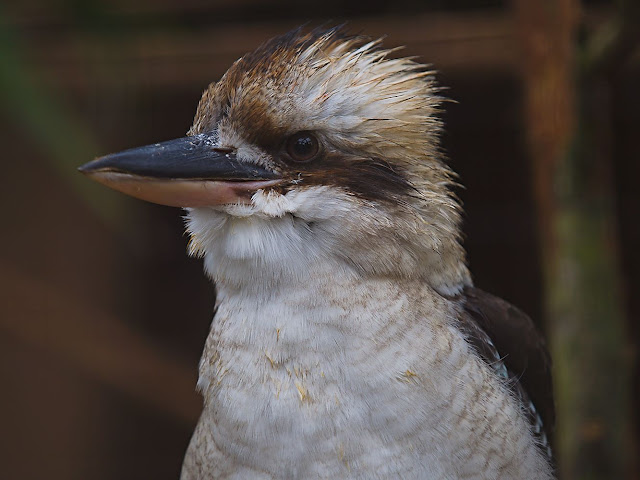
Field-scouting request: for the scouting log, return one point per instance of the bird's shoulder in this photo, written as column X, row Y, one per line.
column 509, row 342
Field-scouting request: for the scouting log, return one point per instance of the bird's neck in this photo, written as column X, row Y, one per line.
column 279, row 240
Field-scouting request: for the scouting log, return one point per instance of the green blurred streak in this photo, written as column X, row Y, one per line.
column 65, row 142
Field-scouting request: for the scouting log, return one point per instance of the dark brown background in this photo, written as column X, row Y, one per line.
column 103, row 316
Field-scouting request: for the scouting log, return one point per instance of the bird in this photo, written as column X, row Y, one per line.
column 348, row 339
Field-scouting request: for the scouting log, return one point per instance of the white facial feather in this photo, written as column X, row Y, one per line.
column 276, row 235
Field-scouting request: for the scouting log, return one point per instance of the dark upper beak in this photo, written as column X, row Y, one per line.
column 190, row 171
column 196, row 157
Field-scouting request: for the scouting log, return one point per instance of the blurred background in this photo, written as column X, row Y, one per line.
column 102, row 315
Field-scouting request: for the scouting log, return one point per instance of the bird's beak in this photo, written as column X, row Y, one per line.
column 186, row 172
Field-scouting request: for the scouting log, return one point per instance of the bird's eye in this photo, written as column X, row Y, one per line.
column 302, row 146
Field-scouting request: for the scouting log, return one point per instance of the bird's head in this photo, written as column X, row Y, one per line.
column 316, row 145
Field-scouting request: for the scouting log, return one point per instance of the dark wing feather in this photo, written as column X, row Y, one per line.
column 509, row 342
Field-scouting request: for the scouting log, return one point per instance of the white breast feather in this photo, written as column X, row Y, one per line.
column 312, row 371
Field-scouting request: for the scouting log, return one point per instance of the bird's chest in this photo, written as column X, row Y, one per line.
column 313, row 390
column 362, row 385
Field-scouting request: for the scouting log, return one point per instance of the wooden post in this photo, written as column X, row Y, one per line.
column 566, row 124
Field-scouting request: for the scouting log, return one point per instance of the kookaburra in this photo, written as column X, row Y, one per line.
column 348, row 339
